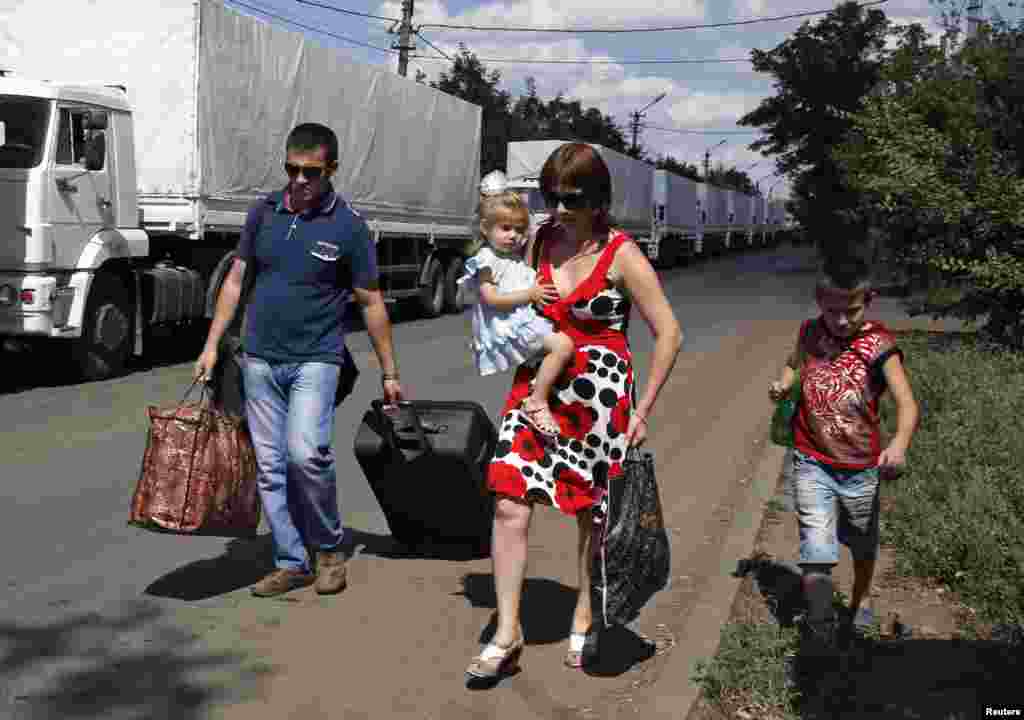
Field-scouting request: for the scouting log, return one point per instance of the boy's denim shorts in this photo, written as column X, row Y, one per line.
column 835, row 506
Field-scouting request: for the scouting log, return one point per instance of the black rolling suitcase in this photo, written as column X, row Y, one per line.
column 426, row 462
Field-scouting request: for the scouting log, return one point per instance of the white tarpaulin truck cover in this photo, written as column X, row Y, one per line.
column 679, row 196
column 215, row 94
column 632, row 180
column 743, row 205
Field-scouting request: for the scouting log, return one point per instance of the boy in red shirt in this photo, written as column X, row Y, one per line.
column 845, row 364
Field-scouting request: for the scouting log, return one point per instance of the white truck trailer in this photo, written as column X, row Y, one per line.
column 742, row 230
column 676, row 219
column 632, row 183
column 127, row 167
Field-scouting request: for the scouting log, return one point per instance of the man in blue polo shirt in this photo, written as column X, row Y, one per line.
column 310, row 252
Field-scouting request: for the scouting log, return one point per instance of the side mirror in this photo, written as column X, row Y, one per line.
column 96, row 151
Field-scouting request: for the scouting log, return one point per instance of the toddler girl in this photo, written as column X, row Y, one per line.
column 507, row 329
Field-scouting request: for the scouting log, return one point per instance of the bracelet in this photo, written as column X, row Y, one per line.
column 384, row 377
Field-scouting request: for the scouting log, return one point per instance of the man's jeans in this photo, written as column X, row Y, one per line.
column 290, row 411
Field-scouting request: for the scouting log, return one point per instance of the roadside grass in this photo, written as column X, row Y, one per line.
column 956, row 517
column 748, row 672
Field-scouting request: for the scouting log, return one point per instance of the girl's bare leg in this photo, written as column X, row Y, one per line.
column 511, row 529
column 583, row 617
column 558, row 349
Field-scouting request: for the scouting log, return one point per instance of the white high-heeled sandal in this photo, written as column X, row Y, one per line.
column 495, row 660
column 577, row 645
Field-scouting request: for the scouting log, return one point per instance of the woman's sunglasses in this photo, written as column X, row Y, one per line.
column 309, row 172
column 576, row 200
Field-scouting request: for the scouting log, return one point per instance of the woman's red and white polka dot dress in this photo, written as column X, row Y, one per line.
column 592, row 401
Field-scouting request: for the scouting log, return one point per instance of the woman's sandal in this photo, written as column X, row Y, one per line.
column 582, row 649
column 541, row 420
column 495, row 661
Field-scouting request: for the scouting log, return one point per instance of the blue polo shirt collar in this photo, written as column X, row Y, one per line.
column 328, row 201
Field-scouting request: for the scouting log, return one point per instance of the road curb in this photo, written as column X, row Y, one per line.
column 675, row 693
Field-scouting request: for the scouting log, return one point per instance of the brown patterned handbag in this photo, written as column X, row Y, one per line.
column 198, row 473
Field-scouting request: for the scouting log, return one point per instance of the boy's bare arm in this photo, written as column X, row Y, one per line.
column 781, row 387
column 907, row 413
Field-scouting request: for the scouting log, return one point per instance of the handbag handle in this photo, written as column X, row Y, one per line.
column 204, row 394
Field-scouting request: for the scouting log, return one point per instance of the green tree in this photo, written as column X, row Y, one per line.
column 528, row 118
column 731, row 178
column 937, row 152
column 470, row 80
column 822, row 74
column 683, row 168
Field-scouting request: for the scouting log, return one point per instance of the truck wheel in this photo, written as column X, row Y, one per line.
column 451, row 285
column 107, row 329
column 432, row 293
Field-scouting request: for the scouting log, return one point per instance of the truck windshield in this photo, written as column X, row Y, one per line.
column 23, row 124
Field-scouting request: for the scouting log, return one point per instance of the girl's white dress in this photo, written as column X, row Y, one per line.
column 503, row 339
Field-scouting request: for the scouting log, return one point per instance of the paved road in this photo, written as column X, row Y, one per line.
column 101, row 620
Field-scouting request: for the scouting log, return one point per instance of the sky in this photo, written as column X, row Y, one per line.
column 702, row 101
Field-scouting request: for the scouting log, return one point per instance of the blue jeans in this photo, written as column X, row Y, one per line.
column 290, row 411
column 835, row 506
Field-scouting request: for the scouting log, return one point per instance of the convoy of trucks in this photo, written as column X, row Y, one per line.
column 674, row 218
column 126, row 173
column 117, row 202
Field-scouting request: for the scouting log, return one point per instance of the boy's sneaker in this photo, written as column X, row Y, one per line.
column 856, row 626
column 818, row 638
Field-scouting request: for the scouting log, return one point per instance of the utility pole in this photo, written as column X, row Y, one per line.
column 635, row 123
column 636, row 128
column 405, row 31
column 974, row 18
column 707, row 158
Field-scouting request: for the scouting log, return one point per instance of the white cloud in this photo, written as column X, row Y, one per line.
column 701, row 109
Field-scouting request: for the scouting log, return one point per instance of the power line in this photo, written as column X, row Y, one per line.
column 447, row 57
column 667, row 28
column 600, row 61
column 310, row 27
column 683, row 131
column 348, row 12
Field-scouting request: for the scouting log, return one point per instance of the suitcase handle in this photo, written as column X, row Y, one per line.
column 419, row 428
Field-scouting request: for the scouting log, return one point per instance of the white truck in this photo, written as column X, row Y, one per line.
column 127, row 167
column 632, row 184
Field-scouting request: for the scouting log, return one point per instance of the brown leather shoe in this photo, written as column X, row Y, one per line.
column 281, row 581
column 331, row 576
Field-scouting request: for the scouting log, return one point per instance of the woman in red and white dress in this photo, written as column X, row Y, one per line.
column 599, row 273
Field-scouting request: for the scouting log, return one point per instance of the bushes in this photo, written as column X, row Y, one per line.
column 958, row 513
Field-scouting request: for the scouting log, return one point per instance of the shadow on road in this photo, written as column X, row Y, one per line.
column 385, row 546
column 547, row 614
column 244, row 561
column 51, row 365
column 890, row 677
column 125, row 667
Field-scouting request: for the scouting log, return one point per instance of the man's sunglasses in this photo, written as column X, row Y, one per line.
column 576, row 200
column 309, row 172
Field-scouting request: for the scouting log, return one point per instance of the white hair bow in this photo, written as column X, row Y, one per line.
column 493, row 183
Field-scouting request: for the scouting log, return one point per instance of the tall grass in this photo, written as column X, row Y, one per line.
column 958, row 513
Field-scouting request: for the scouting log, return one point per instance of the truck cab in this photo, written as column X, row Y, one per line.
column 66, row 210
